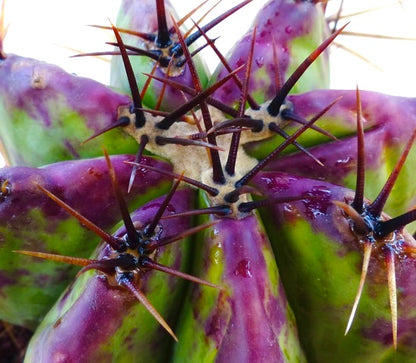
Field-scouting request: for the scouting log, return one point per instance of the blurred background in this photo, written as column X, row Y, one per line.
column 55, row 30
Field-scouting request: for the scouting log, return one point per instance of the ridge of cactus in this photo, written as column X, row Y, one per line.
column 274, row 241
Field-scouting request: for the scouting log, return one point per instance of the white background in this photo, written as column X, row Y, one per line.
column 54, row 30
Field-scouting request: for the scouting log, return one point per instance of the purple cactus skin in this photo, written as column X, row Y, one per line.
column 287, row 31
column 318, row 251
column 388, row 121
column 104, row 322
column 46, row 114
column 250, row 321
column 147, row 22
column 30, row 220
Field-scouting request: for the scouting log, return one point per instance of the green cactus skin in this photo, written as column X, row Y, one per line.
column 316, row 248
column 104, row 321
column 218, row 325
column 45, row 116
column 30, row 220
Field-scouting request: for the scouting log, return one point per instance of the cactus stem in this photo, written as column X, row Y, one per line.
column 274, row 106
column 147, row 304
column 368, row 246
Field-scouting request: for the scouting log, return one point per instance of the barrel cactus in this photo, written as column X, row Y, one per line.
column 262, row 216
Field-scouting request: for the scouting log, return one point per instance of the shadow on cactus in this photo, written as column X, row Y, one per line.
column 250, row 277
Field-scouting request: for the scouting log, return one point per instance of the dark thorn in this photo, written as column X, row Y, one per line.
column 221, row 210
column 247, row 207
column 128, row 284
column 189, row 232
column 235, row 139
column 163, row 37
column 126, row 261
column 134, row 89
column 181, row 63
column 199, row 98
column 155, row 112
column 377, row 206
column 386, row 227
column 273, row 127
column 210, row 190
column 253, row 104
column 233, row 196
column 146, row 36
column 288, row 115
column 254, row 125
column 337, row 17
column 98, row 54
column 213, row 102
column 187, row 16
column 121, row 122
column 155, row 55
column 146, row 262
column 132, row 234
column 178, row 50
column 246, row 178
column 150, row 228
column 274, row 107
column 161, row 140
column 358, row 202
column 143, row 142
column 218, row 175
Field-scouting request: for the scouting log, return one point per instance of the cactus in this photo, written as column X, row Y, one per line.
column 286, row 235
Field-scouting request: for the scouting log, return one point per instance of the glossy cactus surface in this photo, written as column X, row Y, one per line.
column 285, row 236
